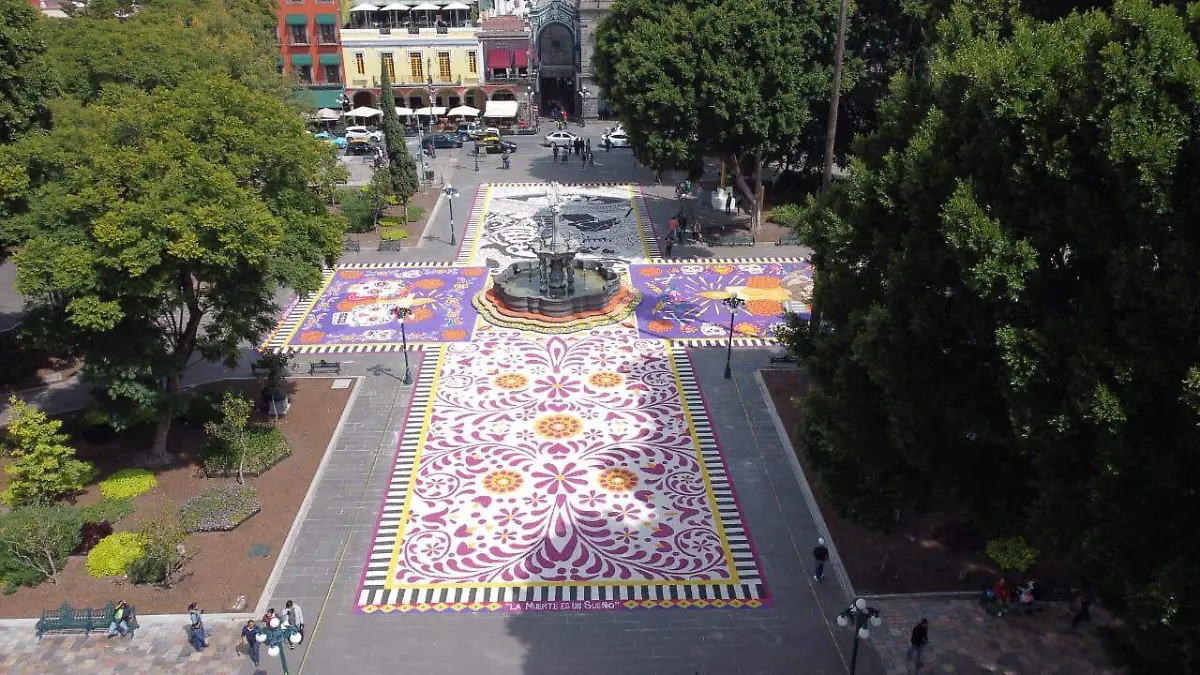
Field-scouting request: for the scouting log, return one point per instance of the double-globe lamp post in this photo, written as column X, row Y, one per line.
column 859, row 615
column 400, row 312
column 274, row 635
column 734, row 303
column 451, row 193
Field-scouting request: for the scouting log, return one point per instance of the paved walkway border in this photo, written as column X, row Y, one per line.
column 285, row 551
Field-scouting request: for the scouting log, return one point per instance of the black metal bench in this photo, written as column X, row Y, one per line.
column 324, row 367
column 391, row 245
column 776, row 360
column 733, row 240
column 789, row 240
column 351, row 245
column 67, row 619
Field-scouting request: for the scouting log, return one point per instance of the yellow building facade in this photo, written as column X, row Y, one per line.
column 439, row 64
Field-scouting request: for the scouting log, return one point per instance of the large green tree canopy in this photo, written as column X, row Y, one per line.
column 732, row 78
column 1009, row 304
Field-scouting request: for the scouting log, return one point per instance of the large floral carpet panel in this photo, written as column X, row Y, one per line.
column 685, row 301
column 563, row 473
column 608, row 221
column 355, row 310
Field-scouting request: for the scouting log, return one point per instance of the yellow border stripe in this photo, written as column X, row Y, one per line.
column 637, row 221
column 308, row 310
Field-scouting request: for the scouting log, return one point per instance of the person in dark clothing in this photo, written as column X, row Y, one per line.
column 555, row 151
column 820, row 557
column 920, row 637
column 729, row 202
column 1085, row 611
column 199, row 636
column 667, row 251
column 250, row 633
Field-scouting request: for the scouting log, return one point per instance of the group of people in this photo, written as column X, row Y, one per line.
column 122, row 622
column 580, row 147
column 291, row 615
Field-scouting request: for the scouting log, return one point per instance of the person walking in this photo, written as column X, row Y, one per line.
column 820, row 557
column 250, row 633
column 728, row 202
column 673, row 228
column 920, row 637
column 1000, row 591
column 295, row 617
column 667, row 249
column 1085, row 611
column 555, row 151
column 587, row 145
column 198, row 637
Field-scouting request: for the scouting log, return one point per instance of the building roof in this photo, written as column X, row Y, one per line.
column 506, row 23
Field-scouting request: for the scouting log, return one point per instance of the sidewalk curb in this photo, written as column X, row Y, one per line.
column 433, row 214
column 285, row 551
column 806, row 489
column 143, row 620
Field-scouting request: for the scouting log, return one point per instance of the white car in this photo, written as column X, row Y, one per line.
column 616, row 139
column 561, row 138
column 353, row 133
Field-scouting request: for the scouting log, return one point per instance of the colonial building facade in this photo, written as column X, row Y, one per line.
column 310, row 49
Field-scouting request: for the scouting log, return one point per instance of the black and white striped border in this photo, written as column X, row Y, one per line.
column 387, row 528
column 277, row 340
column 727, row 261
column 648, row 232
column 474, row 226
column 740, row 546
column 750, row 591
column 381, row 348
column 401, row 263
column 724, row 342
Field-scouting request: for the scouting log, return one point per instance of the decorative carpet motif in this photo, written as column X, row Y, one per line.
column 684, row 301
column 559, row 473
column 353, row 311
column 606, row 220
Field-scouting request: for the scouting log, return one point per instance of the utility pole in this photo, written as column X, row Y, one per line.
column 834, row 98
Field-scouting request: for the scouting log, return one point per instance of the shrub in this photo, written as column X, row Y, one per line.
column 35, row 542
column 127, row 484
column 392, row 233
column 230, row 429
column 265, row 447
column 91, row 534
column 113, row 555
column 163, row 535
column 202, row 408
column 416, row 214
column 45, row 467
column 359, row 210
column 1012, row 553
column 106, row 511
column 788, row 215
column 220, row 509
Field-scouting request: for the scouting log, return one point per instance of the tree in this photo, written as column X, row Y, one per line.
column 38, row 539
column 734, row 79
column 157, row 228
column 400, row 175
column 44, row 467
column 1010, row 314
column 163, row 536
column 24, row 84
column 231, row 428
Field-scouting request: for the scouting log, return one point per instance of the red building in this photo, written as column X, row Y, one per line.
column 509, row 60
column 310, row 48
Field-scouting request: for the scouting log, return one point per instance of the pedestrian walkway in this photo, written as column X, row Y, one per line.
column 160, row 646
column 965, row 640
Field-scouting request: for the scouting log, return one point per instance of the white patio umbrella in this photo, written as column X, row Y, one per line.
column 364, row 8
column 328, row 114
column 404, row 112
column 394, row 7
column 364, row 111
column 457, row 6
column 436, row 110
column 464, row 111
column 426, row 7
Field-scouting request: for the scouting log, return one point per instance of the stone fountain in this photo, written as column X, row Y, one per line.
column 558, row 285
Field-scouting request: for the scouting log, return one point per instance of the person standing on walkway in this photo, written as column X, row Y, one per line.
column 295, row 617
column 555, row 151
column 1000, row 590
column 920, row 637
column 250, row 633
column 728, row 202
column 820, row 557
column 1085, row 611
column 667, row 249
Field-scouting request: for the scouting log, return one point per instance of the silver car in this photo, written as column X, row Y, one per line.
column 562, row 139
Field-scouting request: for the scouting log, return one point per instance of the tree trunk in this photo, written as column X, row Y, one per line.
column 739, row 180
column 158, row 450
column 242, row 461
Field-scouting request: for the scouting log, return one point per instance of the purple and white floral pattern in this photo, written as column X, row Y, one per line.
column 563, row 459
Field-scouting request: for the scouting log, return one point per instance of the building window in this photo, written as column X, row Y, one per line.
column 443, row 66
column 333, row 74
column 299, row 35
column 472, row 63
column 414, row 62
column 304, row 74
column 327, row 34
column 390, row 63
column 360, row 63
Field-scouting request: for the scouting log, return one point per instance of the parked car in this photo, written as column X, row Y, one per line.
column 359, row 146
column 339, row 141
column 443, row 141
column 370, row 136
column 560, row 138
column 495, row 145
column 615, row 139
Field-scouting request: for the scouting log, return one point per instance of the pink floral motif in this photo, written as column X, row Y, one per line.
column 555, row 387
column 565, row 477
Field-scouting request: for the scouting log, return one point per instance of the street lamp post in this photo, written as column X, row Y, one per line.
column 451, row 193
column 400, row 312
column 859, row 615
column 734, row 303
column 275, row 634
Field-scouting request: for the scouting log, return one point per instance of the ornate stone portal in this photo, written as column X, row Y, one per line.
column 558, row 292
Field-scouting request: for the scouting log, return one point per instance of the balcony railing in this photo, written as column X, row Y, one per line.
column 298, row 42
column 327, row 39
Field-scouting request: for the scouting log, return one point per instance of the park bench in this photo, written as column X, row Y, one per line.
column 67, row 619
column 788, row 358
column 324, row 367
column 733, row 240
column 349, row 245
column 390, row 245
column 789, row 240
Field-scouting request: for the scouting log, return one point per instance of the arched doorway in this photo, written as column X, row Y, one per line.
column 476, row 98
column 414, row 98
column 504, row 94
column 556, row 66
column 363, row 99
column 448, row 98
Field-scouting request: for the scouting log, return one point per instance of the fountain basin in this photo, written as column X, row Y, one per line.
column 585, row 286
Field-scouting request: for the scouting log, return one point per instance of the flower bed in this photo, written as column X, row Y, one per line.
column 265, row 447
column 220, row 509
